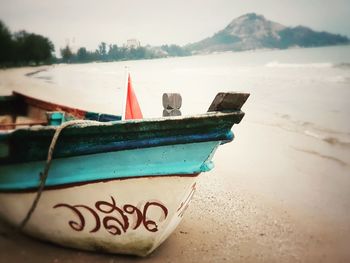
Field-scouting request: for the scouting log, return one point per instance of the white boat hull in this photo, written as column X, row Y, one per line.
column 129, row 216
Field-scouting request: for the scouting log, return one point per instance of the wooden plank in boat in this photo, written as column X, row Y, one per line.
column 228, row 101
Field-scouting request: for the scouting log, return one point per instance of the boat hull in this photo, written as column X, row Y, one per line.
column 119, row 202
column 190, row 158
column 129, row 216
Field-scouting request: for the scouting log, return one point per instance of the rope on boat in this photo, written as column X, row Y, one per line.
column 45, row 173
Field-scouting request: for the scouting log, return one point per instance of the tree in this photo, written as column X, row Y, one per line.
column 114, row 53
column 66, row 54
column 6, row 44
column 102, row 50
column 137, row 53
column 32, row 48
column 23, row 48
column 82, row 55
column 175, row 51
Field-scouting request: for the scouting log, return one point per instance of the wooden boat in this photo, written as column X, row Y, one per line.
column 113, row 186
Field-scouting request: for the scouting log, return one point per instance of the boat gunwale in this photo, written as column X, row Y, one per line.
column 27, row 144
column 20, row 102
column 237, row 115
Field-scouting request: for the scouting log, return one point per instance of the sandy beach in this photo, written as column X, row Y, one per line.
column 275, row 195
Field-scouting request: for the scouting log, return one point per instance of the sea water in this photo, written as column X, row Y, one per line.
column 300, row 90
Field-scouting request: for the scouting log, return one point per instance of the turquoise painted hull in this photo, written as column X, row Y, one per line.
column 184, row 159
column 115, row 150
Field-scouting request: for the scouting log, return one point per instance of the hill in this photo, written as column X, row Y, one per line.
column 252, row 31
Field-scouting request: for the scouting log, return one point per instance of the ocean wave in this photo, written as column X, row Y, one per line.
column 276, row 64
column 328, row 139
column 334, row 140
column 324, row 156
column 330, row 136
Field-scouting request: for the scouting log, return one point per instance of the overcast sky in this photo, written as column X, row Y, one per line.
column 158, row 22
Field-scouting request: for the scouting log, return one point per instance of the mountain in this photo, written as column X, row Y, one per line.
column 252, row 31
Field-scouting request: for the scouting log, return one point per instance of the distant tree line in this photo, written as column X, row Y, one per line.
column 306, row 37
column 113, row 52
column 23, row 48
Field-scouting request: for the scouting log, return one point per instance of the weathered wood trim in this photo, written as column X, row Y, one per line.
column 22, row 102
column 31, row 144
column 31, row 123
column 48, row 106
column 228, row 101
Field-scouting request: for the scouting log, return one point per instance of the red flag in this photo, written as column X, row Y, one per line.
column 132, row 110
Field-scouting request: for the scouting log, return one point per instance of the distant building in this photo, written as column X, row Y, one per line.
column 133, row 43
column 71, row 42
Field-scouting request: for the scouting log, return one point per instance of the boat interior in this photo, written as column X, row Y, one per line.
column 20, row 111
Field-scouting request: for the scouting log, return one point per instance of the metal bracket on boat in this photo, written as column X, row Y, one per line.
column 55, row 118
column 172, row 103
column 228, row 101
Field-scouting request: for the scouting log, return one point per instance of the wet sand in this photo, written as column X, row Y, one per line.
column 276, row 195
